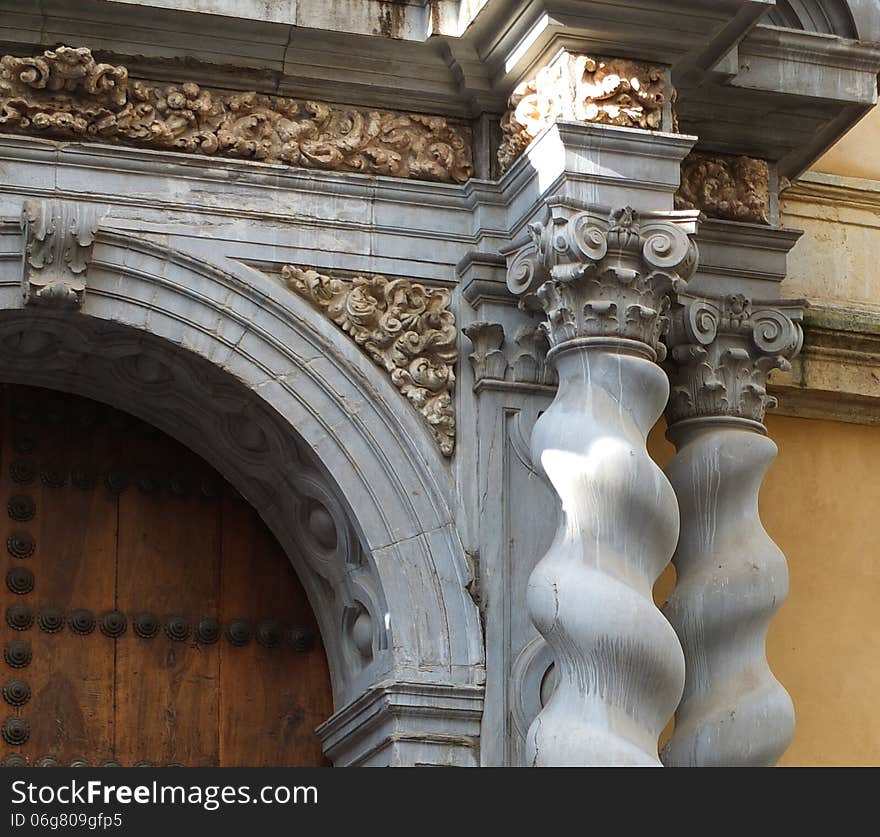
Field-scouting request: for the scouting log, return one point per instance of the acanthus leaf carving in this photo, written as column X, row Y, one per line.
column 524, row 361
column 58, row 244
column 723, row 350
column 404, row 327
column 65, row 93
column 487, row 358
column 726, row 187
column 600, row 274
column 580, row 88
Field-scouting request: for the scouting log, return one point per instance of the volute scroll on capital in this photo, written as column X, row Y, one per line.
column 597, row 273
column 722, row 351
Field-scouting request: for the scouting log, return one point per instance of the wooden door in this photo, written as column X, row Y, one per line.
column 149, row 615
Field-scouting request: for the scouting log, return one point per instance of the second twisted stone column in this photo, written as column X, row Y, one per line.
column 603, row 282
column 732, row 577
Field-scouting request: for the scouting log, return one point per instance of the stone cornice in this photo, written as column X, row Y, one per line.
column 66, row 94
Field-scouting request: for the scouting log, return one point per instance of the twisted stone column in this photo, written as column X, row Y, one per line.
column 604, row 285
column 731, row 576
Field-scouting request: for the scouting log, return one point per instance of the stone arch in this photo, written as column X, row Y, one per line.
column 310, row 432
column 827, row 17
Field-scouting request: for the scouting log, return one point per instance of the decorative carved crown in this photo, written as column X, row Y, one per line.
column 601, row 274
column 723, row 351
column 580, row 88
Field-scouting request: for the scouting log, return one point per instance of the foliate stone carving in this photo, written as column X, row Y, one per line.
column 723, row 351
column 405, row 328
column 601, row 275
column 487, row 358
column 65, row 93
column 613, row 91
column 727, row 187
column 58, row 244
column 495, row 359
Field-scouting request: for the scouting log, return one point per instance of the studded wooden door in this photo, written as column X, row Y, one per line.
column 149, row 615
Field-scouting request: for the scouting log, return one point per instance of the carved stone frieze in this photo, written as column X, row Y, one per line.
column 604, row 275
column 65, row 93
column 495, row 359
column 727, row 187
column 723, row 351
column 58, row 244
column 579, row 88
column 405, row 328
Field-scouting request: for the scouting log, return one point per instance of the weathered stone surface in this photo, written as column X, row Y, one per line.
column 725, row 186
column 406, row 328
column 66, row 94
column 610, row 91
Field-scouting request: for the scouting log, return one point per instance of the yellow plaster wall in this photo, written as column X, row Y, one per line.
column 821, row 502
column 858, row 153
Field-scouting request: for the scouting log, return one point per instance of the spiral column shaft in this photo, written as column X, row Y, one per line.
column 604, row 283
column 619, row 666
column 731, row 577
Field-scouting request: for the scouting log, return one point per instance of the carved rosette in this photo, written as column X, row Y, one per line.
column 605, row 275
column 579, row 88
column 65, row 93
column 731, row 577
column 604, row 283
column 406, row 328
column 723, row 351
column 58, row 245
column 727, row 187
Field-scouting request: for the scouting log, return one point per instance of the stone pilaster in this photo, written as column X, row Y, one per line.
column 731, row 576
column 603, row 281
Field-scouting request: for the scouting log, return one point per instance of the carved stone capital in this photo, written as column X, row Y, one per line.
column 58, row 244
column 404, row 327
column 65, row 93
column 487, row 358
column 727, row 187
column 722, row 351
column 579, row 88
column 495, row 359
column 600, row 274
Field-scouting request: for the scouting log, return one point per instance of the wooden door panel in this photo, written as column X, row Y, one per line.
column 74, row 539
column 267, row 719
column 168, row 565
column 148, row 573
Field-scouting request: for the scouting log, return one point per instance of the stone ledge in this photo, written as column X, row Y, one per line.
column 837, row 374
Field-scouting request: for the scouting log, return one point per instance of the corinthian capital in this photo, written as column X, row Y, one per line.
column 605, row 275
column 722, row 353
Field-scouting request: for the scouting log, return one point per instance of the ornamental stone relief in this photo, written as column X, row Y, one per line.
column 612, row 91
column 598, row 274
column 723, row 351
column 58, row 244
column 726, row 187
column 65, row 94
column 405, row 328
column 494, row 358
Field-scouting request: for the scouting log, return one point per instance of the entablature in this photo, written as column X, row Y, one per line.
column 766, row 78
